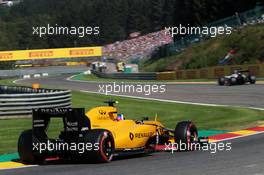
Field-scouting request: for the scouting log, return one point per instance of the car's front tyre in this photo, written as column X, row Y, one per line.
column 221, row 81
column 252, row 79
column 185, row 134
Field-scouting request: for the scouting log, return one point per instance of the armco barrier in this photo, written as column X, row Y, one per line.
column 166, row 76
column 18, row 101
column 204, row 73
column 131, row 76
column 217, row 71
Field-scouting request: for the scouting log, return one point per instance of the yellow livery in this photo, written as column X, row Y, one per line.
column 99, row 135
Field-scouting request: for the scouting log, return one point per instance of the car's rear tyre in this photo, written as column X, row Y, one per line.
column 227, row 82
column 25, row 148
column 185, row 134
column 233, row 81
column 103, row 146
column 221, row 81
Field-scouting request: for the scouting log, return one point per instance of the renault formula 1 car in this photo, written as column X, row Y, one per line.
column 102, row 132
column 237, row 78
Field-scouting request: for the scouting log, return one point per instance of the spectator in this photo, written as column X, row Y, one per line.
column 140, row 46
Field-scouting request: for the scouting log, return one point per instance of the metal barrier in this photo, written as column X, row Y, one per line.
column 130, row 76
column 211, row 72
column 17, row 101
column 203, row 73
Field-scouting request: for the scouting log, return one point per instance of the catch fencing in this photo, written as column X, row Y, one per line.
column 239, row 19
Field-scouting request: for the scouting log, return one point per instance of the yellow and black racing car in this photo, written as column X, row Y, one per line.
column 99, row 135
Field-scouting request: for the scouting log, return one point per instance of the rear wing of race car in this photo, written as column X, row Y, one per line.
column 244, row 71
column 74, row 121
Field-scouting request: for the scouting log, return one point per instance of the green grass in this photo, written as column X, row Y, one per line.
column 158, row 65
column 222, row 118
column 8, row 82
column 248, row 43
column 97, row 79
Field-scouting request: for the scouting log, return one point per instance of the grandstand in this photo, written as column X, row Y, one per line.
column 140, row 46
column 143, row 46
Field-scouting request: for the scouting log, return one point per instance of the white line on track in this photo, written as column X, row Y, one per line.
column 171, row 101
column 15, row 81
column 141, row 82
column 154, row 99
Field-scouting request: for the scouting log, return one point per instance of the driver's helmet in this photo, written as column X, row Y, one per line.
column 235, row 71
column 120, row 117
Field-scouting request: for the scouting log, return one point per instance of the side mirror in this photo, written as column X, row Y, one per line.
column 145, row 118
column 111, row 102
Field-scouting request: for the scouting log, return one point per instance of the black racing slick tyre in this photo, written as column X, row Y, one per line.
column 227, row 82
column 103, row 146
column 185, row 134
column 252, row 79
column 233, row 81
column 230, row 81
column 221, row 81
column 25, row 148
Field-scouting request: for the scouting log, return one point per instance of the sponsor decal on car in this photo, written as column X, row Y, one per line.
column 140, row 135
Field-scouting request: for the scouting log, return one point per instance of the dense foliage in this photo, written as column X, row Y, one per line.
column 248, row 42
column 116, row 19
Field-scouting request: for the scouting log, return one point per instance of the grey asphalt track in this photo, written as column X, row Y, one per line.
column 245, row 158
column 243, row 95
column 39, row 70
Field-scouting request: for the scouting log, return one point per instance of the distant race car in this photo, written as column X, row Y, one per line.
column 237, row 78
column 104, row 132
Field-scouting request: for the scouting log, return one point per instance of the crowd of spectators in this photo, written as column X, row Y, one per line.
column 255, row 21
column 139, row 46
